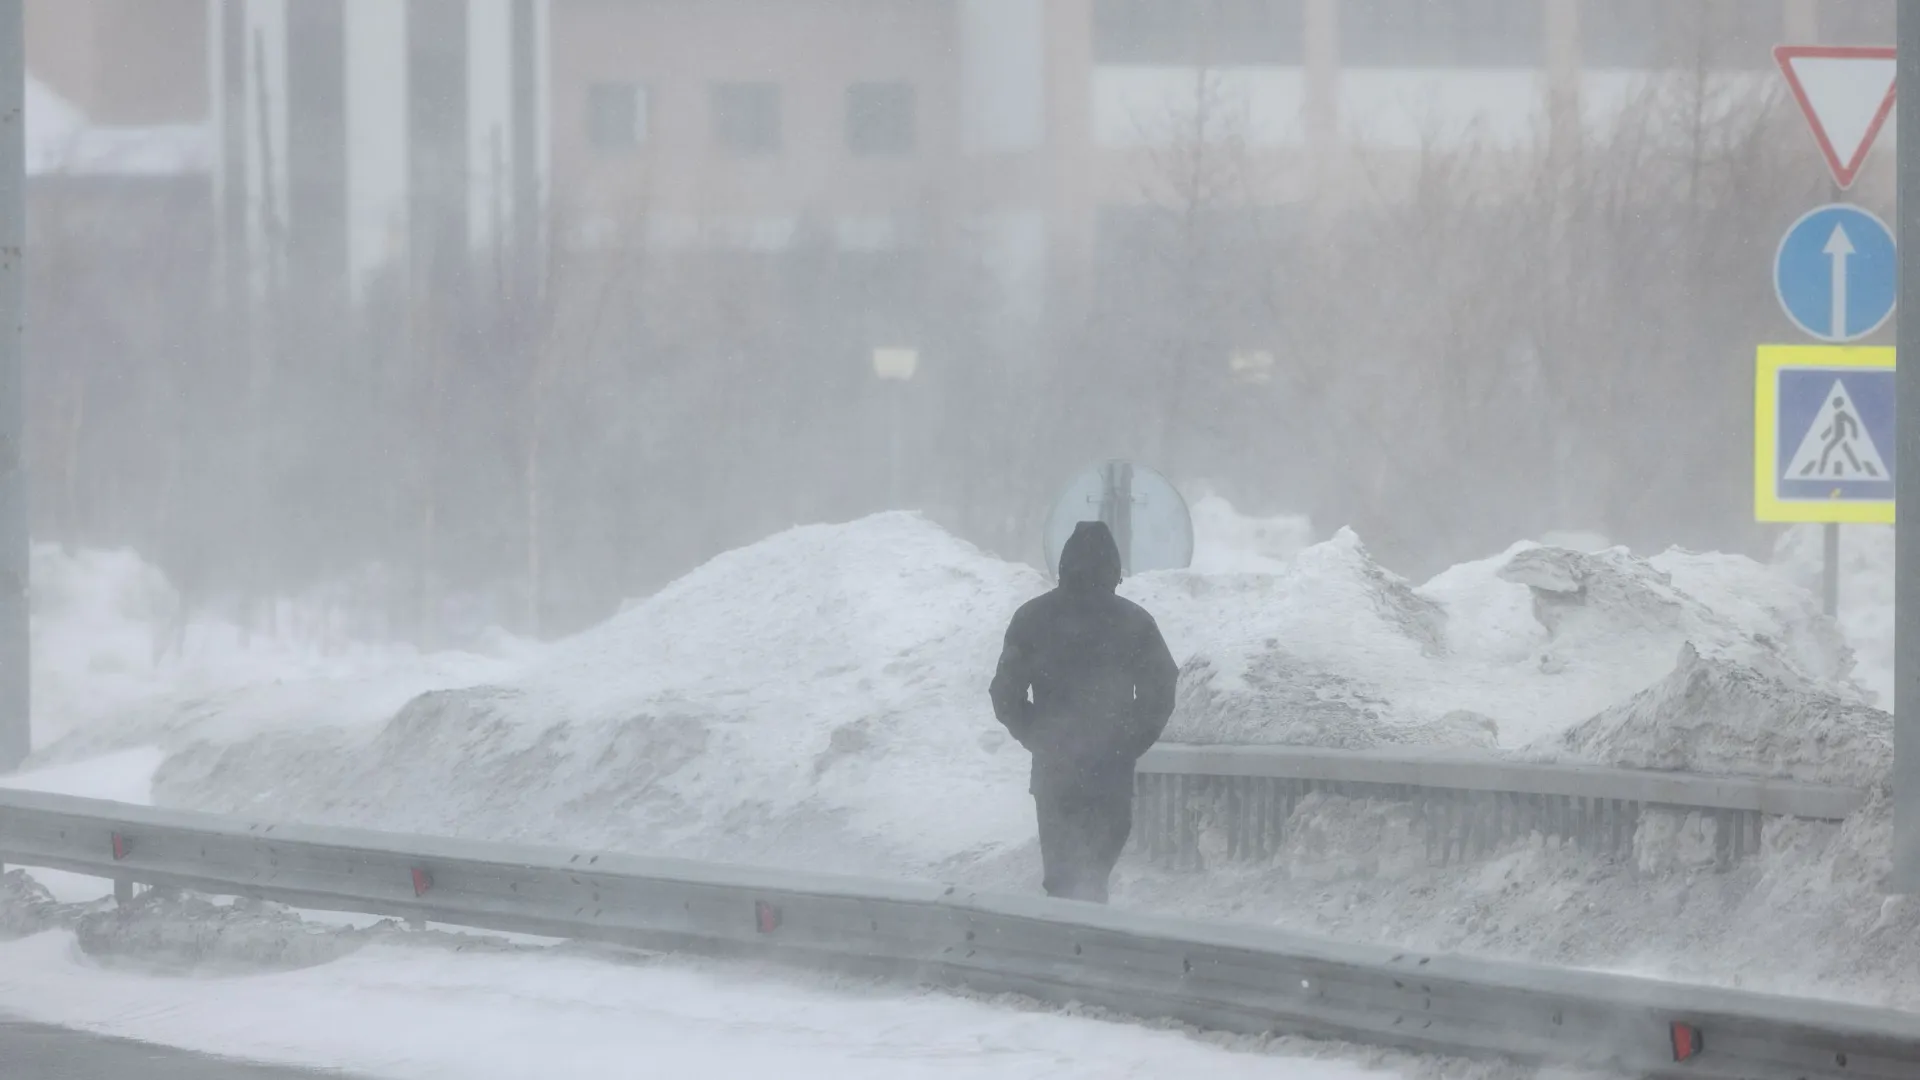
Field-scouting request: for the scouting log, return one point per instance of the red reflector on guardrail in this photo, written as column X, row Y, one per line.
column 1687, row 1041
column 767, row 916
column 422, row 881
column 119, row 847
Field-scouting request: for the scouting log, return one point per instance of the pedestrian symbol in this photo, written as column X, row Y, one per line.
column 1836, row 447
column 1823, row 427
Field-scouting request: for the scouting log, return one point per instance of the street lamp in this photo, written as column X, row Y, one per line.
column 896, row 365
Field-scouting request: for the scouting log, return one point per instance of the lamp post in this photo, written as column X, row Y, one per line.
column 896, row 366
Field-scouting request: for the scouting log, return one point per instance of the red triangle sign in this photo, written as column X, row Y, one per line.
column 1846, row 92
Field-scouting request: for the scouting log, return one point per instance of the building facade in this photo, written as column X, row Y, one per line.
column 352, row 135
column 731, row 123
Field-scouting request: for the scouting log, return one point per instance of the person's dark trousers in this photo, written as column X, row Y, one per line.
column 1084, row 825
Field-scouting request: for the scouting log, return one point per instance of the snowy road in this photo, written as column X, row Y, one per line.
column 405, row 1013
column 42, row 1052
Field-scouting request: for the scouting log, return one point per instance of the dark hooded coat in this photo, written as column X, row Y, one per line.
column 1085, row 680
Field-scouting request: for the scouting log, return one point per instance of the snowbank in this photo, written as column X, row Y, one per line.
column 1614, row 609
column 1336, row 651
column 26, row 907
column 119, row 665
column 818, row 699
column 816, row 696
column 1722, row 717
column 1808, row 915
column 1226, row 541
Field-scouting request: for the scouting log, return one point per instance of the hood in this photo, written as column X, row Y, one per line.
column 1090, row 560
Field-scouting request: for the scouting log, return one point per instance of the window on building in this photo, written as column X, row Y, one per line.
column 1719, row 35
column 880, row 119
column 1443, row 33
column 746, row 117
column 1212, row 32
column 616, row 115
column 1855, row 22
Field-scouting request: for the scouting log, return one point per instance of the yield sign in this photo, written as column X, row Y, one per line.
column 1846, row 92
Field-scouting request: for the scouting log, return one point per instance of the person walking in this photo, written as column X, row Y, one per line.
column 1086, row 683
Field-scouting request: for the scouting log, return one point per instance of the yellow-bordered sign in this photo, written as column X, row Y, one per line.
column 1823, row 447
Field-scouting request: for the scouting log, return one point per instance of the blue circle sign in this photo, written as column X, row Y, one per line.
column 1837, row 273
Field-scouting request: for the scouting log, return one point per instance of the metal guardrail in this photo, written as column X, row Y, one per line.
column 1465, row 805
column 1235, row 978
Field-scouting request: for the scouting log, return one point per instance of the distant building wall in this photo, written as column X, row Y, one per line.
column 122, row 62
column 1032, row 116
column 359, row 135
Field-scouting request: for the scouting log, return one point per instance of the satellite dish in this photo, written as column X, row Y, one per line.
column 1148, row 517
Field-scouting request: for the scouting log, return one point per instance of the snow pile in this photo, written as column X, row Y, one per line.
column 161, row 929
column 1612, row 608
column 1335, row 651
column 1293, row 657
column 818, row 699
column 97, row 620
column 118, row 664
column 1718, row 716
column 817, row 696
column 1226, row 541
column 1808, row 915
column 26, row 907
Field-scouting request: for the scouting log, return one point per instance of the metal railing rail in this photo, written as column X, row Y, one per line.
column 1235, row 978
column 1465, row 804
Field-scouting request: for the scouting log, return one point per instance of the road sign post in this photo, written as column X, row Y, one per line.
column 1906, row 563
column 1149, row 519
column 1836, row 270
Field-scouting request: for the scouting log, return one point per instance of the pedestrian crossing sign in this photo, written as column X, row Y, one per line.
column 1823, row 425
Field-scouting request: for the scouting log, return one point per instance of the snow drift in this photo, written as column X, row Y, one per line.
column 1722, row 717
column 1336, row 651
column 819, row 698
column 120, row 663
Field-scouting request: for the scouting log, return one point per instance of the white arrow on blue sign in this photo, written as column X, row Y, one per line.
column 1836, row 273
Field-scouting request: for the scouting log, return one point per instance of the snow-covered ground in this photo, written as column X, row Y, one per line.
column 427, row 1013
column 320, row 990
column 817, row 699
